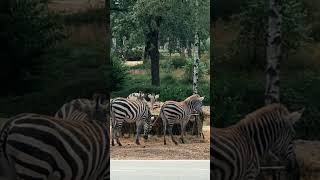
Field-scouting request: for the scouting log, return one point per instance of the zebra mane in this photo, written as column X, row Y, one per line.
column 260, row 113
column 192, row 97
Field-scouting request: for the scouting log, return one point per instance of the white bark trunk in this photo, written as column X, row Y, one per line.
column 272, row 92
column 196, row 65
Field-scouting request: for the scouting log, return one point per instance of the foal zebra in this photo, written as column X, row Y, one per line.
column 179, row 112
column 43, row 147
column 236, row 151
column 131, row 111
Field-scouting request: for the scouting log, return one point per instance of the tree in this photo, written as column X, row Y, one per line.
column 272, row 92
column 253, row 25
column 175, row 20
column 29, row 29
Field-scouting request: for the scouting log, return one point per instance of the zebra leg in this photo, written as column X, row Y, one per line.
column 113, row 129
column 138, row 133
column 164, row 131
column 118, row 132
column 171, row 134
column 183, row 126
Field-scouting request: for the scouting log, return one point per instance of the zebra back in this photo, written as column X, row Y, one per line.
column 69, row 112
column 44, row 147
column 85, row 109
column 236, row 151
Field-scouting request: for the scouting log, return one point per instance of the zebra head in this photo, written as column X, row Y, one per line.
column 97, row 109
column 194, row 102
column 153, row 99
column 284, row 147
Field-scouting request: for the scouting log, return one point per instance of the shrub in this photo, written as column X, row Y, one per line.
column 133, row 54
column 117, row 75
column 178, row 62
column 188, row 74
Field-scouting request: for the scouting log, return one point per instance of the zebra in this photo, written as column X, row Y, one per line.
column 134, row 96
column 44, row 147
column 68, row 111
column 123, row 109
column 153, row 101
column 178, row 112
column 236, row 151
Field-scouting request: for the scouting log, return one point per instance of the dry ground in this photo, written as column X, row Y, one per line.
column 153, row 149
column 308, row 156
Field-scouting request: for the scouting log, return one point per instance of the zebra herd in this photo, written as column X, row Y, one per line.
column 134, row 109
column 74, row 144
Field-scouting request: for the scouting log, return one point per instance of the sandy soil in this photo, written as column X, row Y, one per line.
column 308, row 156
column 153, row 149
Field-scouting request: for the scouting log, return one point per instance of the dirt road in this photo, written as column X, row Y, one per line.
column 153, row 149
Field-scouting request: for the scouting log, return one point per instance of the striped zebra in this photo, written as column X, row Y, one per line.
column 237, row 151
column 173, row 112
column 46, row 148
column 134, row 96
column 154, row 101
column 68, row 111
column 130, row 111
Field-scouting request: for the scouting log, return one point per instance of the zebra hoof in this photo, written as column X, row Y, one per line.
column 137, row 142
column 175, row 143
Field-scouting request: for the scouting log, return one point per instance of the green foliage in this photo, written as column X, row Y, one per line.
column 173, row 63
column 118, row 75
column 178, row 20
column 253, row 20
column 188, row 68
column 133, row 54
column 28, row 30
column 237, row 94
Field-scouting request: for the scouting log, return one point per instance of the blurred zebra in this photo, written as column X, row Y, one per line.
column 43, row 147
column 68, row 111
column 134, row 96
column 173, row 112
column 123, row 109
column 237, row 151
column 154, row 101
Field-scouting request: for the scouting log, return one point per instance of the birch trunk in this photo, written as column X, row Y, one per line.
column 196, row 65
column 272, row 91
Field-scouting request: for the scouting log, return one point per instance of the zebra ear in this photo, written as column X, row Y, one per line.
column 201, row 98
column 295, row 116
column 149, row 96
column 157, row 96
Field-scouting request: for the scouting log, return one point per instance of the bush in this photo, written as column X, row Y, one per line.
column 118, row 73
column 178, row 62
column 133, row 54
column 188, row 74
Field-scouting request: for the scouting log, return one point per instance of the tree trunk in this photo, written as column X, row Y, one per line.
column 272, row 91
column 152, row 38
column 196, row 65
